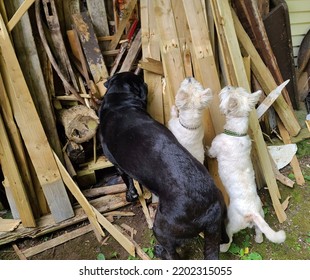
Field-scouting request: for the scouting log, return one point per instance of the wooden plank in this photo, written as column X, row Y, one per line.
column 8, row 224
column 226, row 29
column 76, row 192
column 122, row 24
column 17, row 144
column 151, row 50
column 33, row 133
column 98, row 15
column 11, row 172
column 105, row 190
column 89, row 41
column 51, row 243
column 265, row 78
column 152, row 65
column 19, row 13
column 28, row 57
column 132, row 53
column 206, row 73
column 268, row 101
column 124, row 241
column 144, row 207
column 170, row 52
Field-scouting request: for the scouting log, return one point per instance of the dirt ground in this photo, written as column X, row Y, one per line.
column 297, row 228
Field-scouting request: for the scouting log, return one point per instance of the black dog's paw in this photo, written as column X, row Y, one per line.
column 132, row 196
column 160, row 252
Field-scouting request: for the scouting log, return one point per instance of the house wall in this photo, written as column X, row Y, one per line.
column 299, row 13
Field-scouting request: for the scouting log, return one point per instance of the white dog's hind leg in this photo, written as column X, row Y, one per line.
column 258, row 235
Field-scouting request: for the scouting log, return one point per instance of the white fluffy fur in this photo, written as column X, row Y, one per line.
column 186, row 116
column 236, row 170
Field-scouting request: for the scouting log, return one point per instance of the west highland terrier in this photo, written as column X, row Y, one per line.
column 232, row 149
column 186, row 116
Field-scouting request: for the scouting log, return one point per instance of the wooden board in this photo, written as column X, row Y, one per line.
column 277, row 25
column 151, row 50
column 33, row 133
column 11, row 171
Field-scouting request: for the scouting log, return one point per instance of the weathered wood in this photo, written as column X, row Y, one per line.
column 105, row 190
column 70, row 7
column 53, row 23
column 8, row 224
column 132, row 53
column 268, row 101
column 89, row 41
column 19, row 13
column 143, row 204
column 151, row 65
column 265, row 78
column 11, row 172
column 122, row 24
column 222, row 9
column 121, row 238
column 151, row 50
column 98, row 15
column 51, row 243
column 80, row 123
column 18, row 252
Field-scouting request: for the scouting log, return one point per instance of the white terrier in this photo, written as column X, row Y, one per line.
column 232, row 150
column 186, row 116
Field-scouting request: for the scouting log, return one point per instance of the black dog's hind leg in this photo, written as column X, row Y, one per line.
column 131, row 193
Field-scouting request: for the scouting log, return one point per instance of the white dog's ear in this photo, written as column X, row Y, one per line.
column 206, row 96
column 181, row 98
column 254, row 97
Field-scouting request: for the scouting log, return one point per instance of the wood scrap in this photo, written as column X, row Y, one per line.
column 19, row 13
column 105, row 190
column 152, row 65
column 19, row 252
column 8, row 224
column 51, row 243
column 80, row 123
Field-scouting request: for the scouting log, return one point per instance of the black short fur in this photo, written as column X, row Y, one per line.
column 143, row 149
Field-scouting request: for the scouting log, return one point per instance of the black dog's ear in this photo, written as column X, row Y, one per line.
column 143, row 91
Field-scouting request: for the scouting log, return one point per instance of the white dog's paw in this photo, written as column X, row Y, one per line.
column 259, row 238
column 224, row 247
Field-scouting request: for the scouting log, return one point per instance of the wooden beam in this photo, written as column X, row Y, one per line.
column 19, row 13
column 33, row 133
column 222, row 10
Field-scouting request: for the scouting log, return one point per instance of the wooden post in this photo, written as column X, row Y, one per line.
column 33, row 133
column 222, row 10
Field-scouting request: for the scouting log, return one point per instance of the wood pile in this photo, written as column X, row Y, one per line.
column 56, row 56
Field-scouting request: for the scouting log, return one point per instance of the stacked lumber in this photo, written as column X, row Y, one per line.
column 55, row 59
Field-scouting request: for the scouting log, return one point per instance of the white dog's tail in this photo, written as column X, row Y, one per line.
column 273, row 236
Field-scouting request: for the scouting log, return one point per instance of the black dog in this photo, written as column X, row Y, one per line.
column 145, row 150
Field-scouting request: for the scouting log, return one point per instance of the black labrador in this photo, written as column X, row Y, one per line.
column 145, row 150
